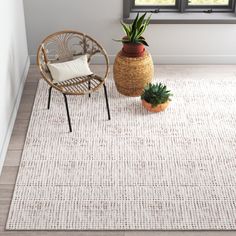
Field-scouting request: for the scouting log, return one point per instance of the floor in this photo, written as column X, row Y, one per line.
column 9, row 173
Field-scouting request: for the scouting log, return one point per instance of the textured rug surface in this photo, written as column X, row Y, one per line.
column 170, row 171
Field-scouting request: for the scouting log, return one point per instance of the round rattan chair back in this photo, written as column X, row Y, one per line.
column 65, row 46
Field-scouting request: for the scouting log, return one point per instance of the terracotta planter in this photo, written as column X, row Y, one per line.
column 133, row 49
column 158, row 108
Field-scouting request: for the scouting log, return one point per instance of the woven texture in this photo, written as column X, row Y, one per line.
column 174, row 170
column 132, row 74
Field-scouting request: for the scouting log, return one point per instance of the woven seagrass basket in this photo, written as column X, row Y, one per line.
column 132, row 74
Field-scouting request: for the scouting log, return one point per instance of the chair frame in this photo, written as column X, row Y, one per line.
column 93, row 82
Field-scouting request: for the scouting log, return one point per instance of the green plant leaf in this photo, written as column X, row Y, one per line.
column 126, row 29
column 122, row 40
column 134, row 25
column 134, row 36
column 156, row 94
column 143, row 42
column 130, row 27
column 140, row 21
column 141, row 30
column 135, row 30
column 117, row 40
column 148, row 20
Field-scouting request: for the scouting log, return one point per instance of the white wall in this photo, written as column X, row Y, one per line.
column 100, row 18
column 13, row 67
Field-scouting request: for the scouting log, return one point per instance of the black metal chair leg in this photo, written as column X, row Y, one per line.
column 89, row 87
column 67, row 111
column 49, row 97
column 108, row 110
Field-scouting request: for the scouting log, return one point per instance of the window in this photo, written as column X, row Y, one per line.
column 155, row 2
column 208, row 6
column 183, row 11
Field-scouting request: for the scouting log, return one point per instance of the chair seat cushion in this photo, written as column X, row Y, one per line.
column 71, row 69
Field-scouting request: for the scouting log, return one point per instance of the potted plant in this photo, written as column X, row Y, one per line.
column 134, row 42
column 156, row 97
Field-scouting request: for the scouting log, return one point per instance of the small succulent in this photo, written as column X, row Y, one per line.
column 135, row 30
column 156, row 94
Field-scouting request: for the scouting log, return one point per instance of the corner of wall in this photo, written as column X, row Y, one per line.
column 13, row 114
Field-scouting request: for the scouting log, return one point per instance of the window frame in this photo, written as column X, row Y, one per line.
column 181, row 7
column 151, row 7
column 217, row 8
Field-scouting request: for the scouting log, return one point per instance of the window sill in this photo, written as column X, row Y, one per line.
column 189, row 18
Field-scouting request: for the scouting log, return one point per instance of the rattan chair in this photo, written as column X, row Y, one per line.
column 64, row 46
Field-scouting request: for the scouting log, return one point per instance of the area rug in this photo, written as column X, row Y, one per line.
column 174, row 170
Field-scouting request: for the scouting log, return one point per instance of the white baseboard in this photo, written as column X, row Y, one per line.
column 13, row 115
column 175, row 59
column 194, row 59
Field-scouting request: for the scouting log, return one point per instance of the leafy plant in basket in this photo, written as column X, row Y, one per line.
column 156, row 97
column 134, row 42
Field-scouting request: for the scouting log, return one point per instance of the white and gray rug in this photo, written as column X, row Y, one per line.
column 170, row 171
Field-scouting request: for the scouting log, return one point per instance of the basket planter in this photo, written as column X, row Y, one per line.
column 132, row 74
column 158, row 108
